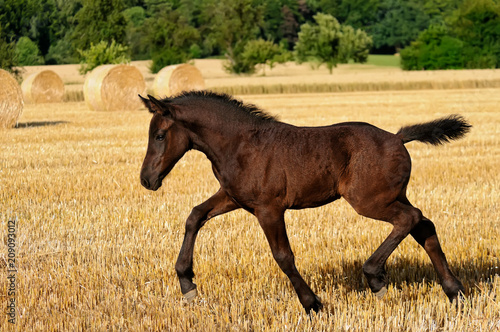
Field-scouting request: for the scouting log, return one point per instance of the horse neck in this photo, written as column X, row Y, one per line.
column 216, row 130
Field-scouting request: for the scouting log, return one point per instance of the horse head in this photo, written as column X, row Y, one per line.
column 168, row 142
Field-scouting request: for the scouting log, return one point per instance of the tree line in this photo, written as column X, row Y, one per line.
column 465, row 33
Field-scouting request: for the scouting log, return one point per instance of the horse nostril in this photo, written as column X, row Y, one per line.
column 145, row 183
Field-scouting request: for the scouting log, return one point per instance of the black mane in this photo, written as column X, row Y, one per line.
column 250, row 109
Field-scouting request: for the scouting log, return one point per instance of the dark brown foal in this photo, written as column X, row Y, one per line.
column 266, row 167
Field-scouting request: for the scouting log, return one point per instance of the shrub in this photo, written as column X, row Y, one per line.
column 61, row 52
column 166, row 57
column 328, row 42
column 470, row 40
column 262, row 52
column 434, row 49
column 27, row 52
column 103, row 53
column 8, row 59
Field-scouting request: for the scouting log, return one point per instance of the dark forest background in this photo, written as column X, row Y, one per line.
column 435, row 34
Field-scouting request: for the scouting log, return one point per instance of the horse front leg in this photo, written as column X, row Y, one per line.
column 272, row 222
column 216, row 205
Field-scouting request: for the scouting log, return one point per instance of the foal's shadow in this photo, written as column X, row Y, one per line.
column 402, row 272
column 39, row 124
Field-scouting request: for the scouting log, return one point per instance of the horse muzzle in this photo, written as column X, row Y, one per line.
column 153, row 185
column 150, row 182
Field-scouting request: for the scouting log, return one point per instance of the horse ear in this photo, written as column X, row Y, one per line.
column 146, row 102
column 161, row 106
column 154, row 105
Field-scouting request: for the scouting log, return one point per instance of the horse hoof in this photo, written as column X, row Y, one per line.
column 189, row 296
column 380, row 294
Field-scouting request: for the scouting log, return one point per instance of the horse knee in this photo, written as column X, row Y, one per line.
column 423, row 230
column 409, row 219
column 285, row 260
column 195, row 220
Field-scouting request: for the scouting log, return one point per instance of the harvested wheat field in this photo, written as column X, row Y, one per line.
column 96, row 251
column 291, row 78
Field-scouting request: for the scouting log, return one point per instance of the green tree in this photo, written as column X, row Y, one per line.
column 61, row 52
column 439, row 10
column 62, row 26
column 399, row 22
column 477, row 24
column 356, row 13
column 327, row 42
column 8, row 59
column 101, row 54
column 168, row 36
column 470, row 39
column 354, row 44
column 228, row 25
column 15, row 16
column 289, row 27
column 434, row 49
column 99, row 20
column 29, row 18
column 27, row 53
column 135, row 18
column 264, row 52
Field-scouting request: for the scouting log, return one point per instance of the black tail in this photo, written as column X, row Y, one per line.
column 436, row 132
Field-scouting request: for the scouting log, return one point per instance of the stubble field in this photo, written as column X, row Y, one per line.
column 96, row 251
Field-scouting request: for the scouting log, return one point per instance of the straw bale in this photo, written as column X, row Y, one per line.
column 172, row 80
column 43, row 87
column 114, row 88
column 11, row 100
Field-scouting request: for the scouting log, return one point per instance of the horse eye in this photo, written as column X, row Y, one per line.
column 160, row 137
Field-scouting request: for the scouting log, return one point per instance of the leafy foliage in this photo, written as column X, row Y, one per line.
column 103, row 53
column 434, row 49
column 264, row 52
column 168, row 37
column 471, row 39
column 61, row 52
column 229, row 26
column 170, row 31
column 99, row 20
column 328, row 42
column 27, row 53
column 8, row 59
column 477, row 24
column 398, row 23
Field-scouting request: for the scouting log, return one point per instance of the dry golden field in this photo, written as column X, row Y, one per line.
column 96, row 251
column 293, row 78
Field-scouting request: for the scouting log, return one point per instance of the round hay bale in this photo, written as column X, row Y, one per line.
column 172, row 80
column 43, row 87
column 114, row 88
column 11, row 100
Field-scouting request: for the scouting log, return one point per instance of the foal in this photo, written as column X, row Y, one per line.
column 266, row 167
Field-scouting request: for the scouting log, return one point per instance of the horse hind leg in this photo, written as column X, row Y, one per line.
column 425, row 234
column 403, row 217
column 408, row 220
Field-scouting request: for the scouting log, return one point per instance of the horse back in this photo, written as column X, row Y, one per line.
column 312, row 166
column 302, row 167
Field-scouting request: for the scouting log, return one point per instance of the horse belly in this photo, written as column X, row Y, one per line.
column 314, row 185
